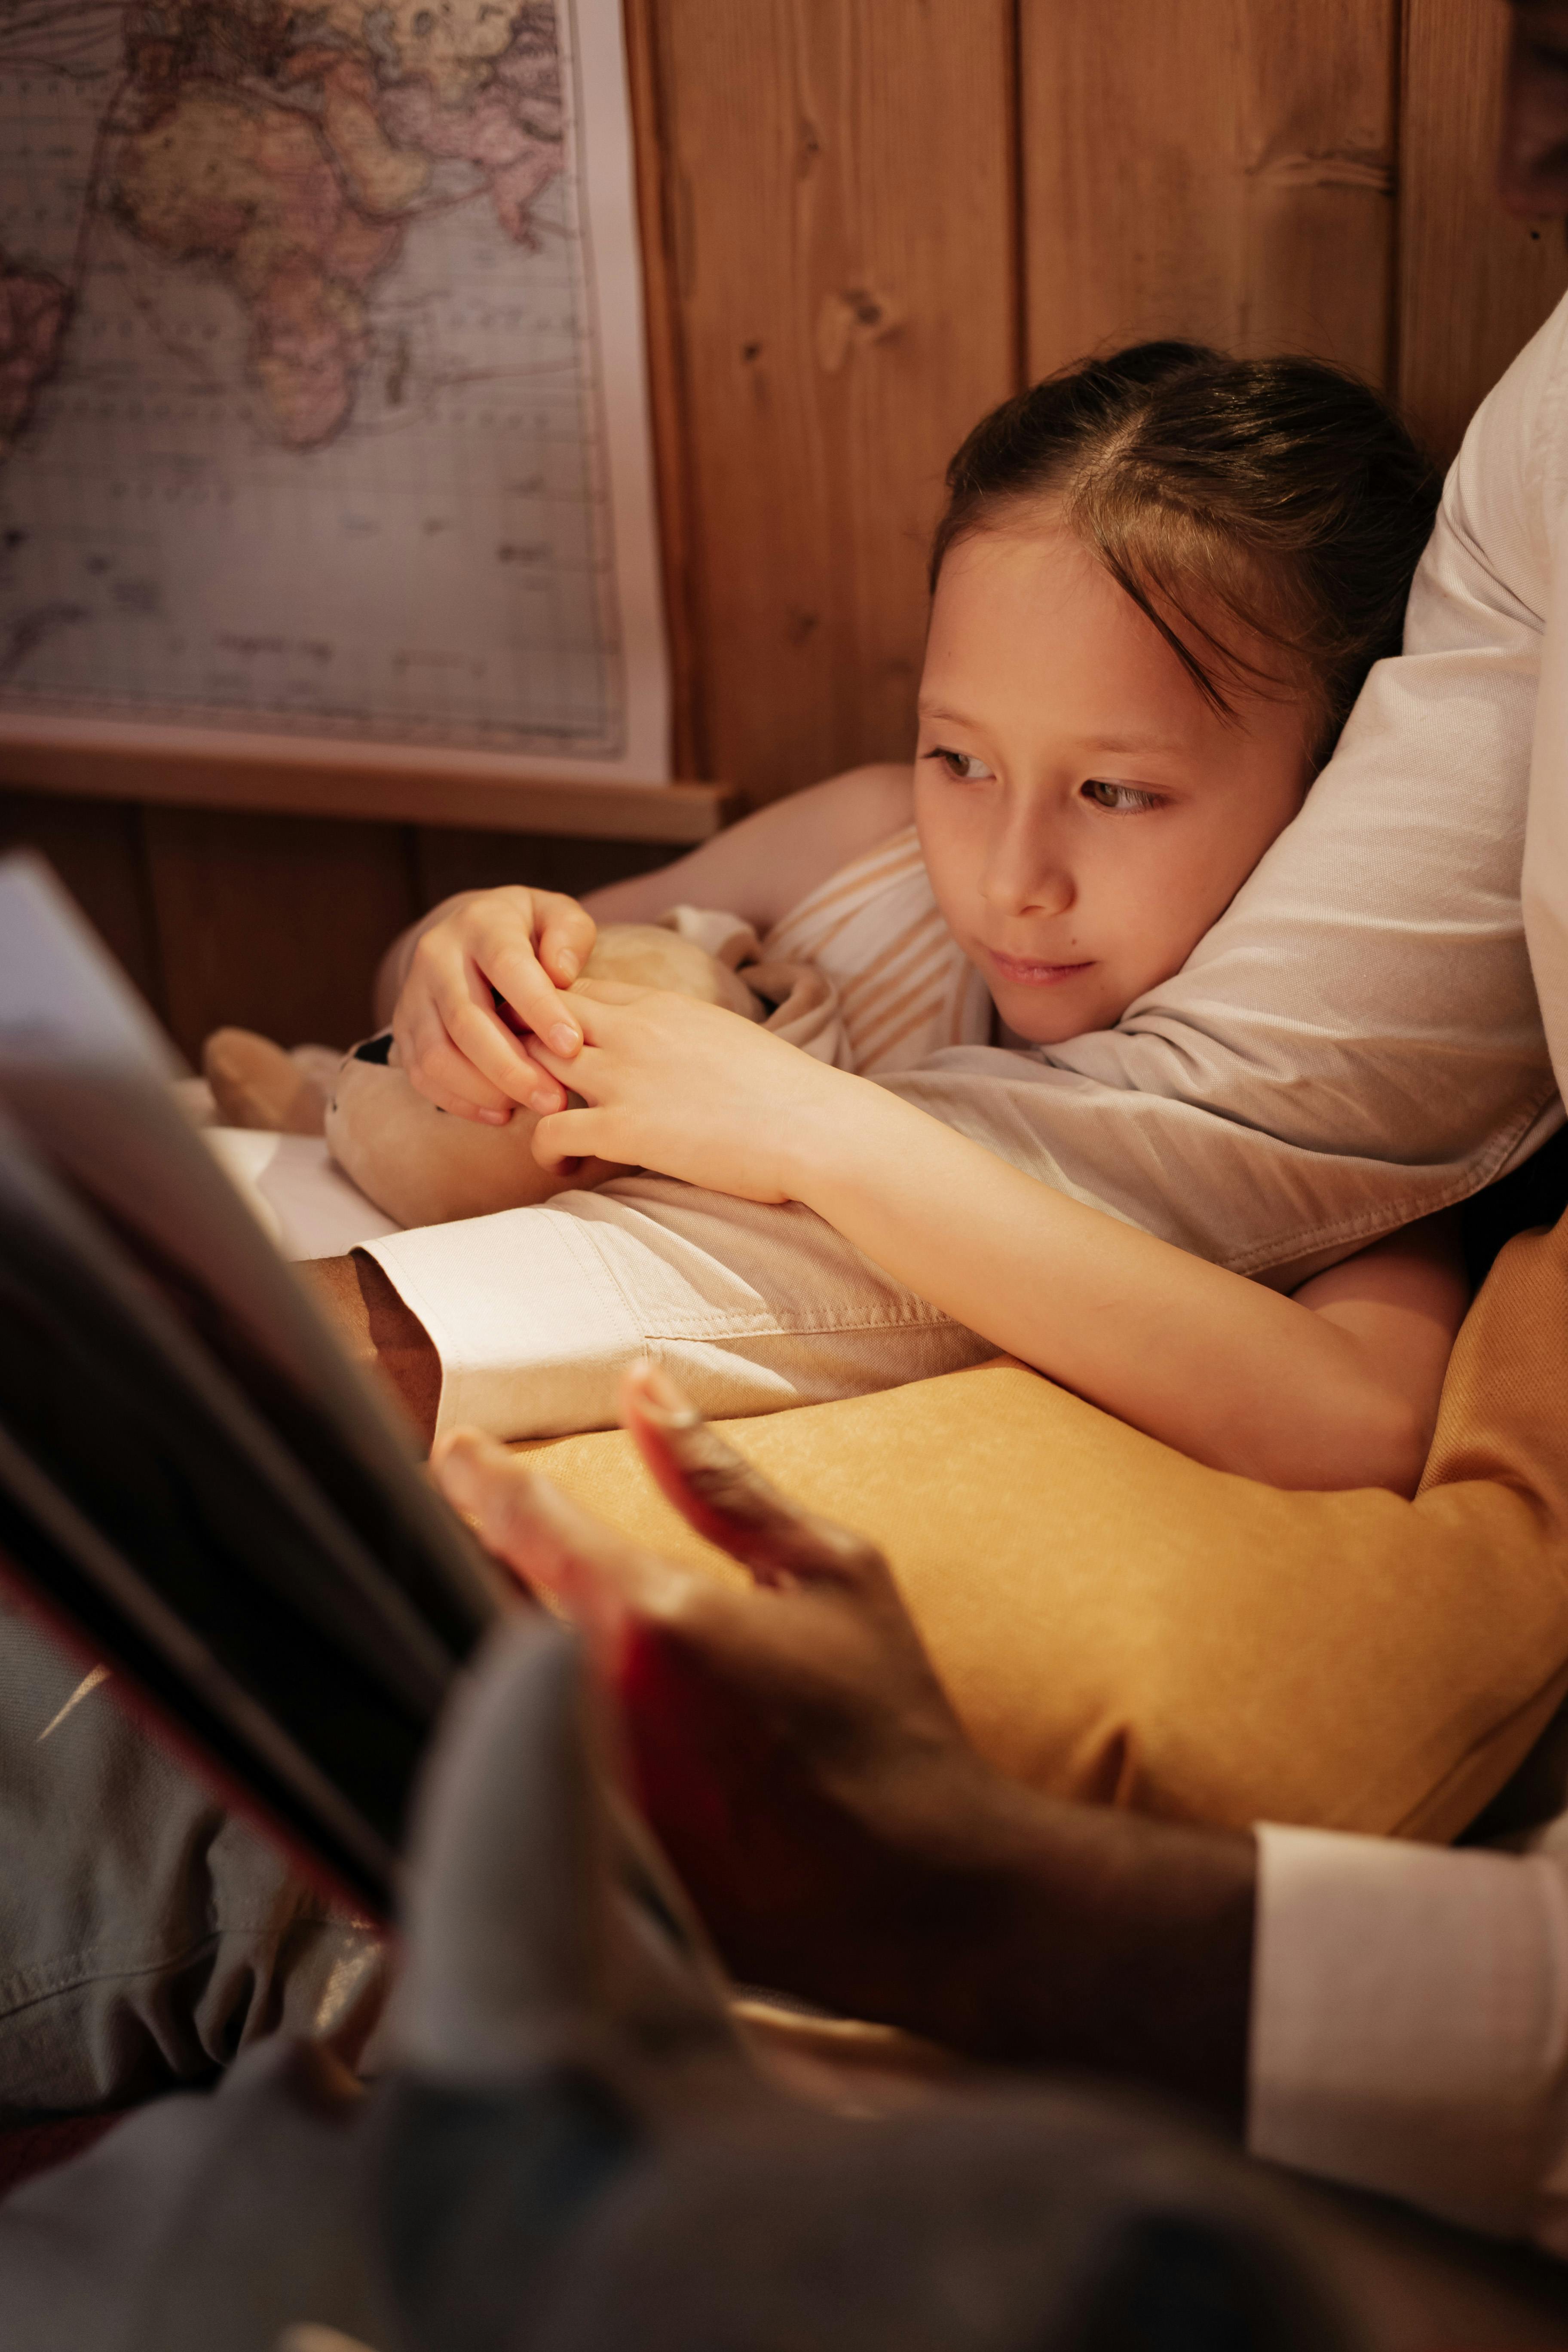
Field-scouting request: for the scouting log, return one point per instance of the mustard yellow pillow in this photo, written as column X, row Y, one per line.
column 1116, row 1622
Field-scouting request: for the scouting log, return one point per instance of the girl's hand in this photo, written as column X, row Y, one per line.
column 457, row 1046
column 688, row 1090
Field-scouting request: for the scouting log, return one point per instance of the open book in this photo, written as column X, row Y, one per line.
column 194, row 1484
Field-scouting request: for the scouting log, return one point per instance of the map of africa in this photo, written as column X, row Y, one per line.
column 300, row 417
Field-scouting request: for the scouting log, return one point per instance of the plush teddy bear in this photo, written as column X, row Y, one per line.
column 424, row 1167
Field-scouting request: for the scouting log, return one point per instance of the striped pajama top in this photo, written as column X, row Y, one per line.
column 904, row 986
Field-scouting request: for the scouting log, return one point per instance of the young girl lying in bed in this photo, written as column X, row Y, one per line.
column 1157, row 588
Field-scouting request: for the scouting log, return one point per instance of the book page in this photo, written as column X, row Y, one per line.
column 84, row 1071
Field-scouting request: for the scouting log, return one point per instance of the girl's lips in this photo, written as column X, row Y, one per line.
column 1037, row 975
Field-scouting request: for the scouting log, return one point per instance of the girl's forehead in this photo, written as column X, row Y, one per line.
column 1028, row 628
column 1023, row 581
column 1024, row 620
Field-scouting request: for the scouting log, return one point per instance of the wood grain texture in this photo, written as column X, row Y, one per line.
column 96, row 848
column 1220, row 169
column 665, row 383
column 839, row 187
column 274, row 923
column 359, row 785
column 446, row 859
column 859, row 218
column 1474, row 284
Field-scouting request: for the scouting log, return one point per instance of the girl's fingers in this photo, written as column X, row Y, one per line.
column 478, row 1034
column 490, row 943
column 565, row 939
column 428, row 1023
column 513, row 943
column 568, row 1135
column 570, row 1073
column 454, row 1105
column 516, row 974
column 583, row 1075
column 718, row 1493
column 609, row 991
column 598, row 1006
column 447, row 1077
column 596, row 1016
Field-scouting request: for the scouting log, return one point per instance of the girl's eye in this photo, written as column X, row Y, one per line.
column 1122, row 800
column 963, row 766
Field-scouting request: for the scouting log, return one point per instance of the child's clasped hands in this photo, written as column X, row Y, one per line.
column 686, row 1090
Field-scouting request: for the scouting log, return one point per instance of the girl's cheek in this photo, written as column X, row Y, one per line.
column 954, row 876
column 950, row 824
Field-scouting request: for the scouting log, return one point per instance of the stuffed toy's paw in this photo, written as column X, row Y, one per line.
column 256, row 1084
column 426, row 1168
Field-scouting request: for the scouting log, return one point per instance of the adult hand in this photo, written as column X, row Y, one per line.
column 457, row 1045
column 690, row 1091
column 791, row 1744
column 799, row 1760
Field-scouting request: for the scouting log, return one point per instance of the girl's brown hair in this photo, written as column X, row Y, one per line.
column 1282, row 492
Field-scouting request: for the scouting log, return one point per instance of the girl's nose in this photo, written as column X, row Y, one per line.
column 1025, row 880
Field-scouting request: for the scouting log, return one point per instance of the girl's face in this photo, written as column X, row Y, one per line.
column 1084, row 812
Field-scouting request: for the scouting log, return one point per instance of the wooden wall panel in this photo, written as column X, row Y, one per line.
column 1474, row 284
column 275, row 923
column 1221, row 169
column 96, row 848
column 864, row 222
column 837, row 181
column 271, row 778
column 449, row 859
column 665, row 380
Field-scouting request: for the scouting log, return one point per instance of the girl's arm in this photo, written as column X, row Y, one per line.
column 1231, row 1373
column 765, row 864
column 1342, row 1394
column 435, row 982
column 1401, row 1302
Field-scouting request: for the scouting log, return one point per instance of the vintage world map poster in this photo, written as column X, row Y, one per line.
column 323, row 407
